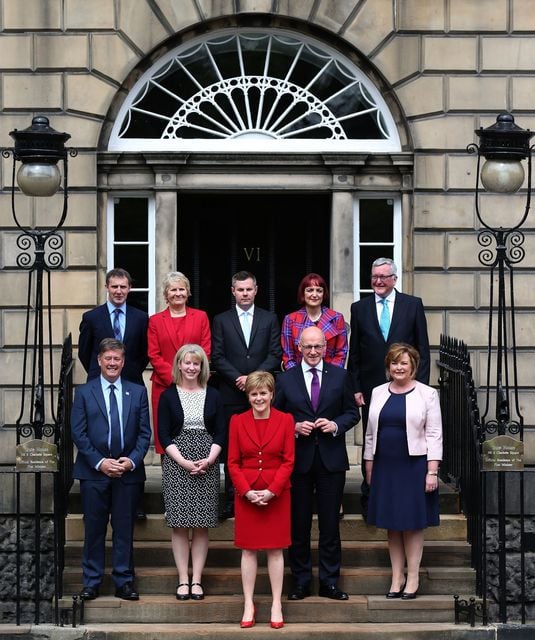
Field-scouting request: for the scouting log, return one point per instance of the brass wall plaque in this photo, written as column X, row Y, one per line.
column 37, row 455
column 503, row 453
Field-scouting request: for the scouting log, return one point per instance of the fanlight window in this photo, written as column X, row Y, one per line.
column 254, row 90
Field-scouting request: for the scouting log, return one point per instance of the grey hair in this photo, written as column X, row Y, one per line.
column 379, row 262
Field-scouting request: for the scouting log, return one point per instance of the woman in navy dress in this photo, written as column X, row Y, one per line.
column 402, row 452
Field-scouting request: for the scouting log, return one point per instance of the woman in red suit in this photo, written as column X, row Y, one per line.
column 168, row 331
column 313, row 296
column 260, row 462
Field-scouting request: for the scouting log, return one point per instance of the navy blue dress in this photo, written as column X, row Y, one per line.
column 398, row 500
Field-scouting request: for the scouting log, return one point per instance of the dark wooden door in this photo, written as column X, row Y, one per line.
column 279, row 238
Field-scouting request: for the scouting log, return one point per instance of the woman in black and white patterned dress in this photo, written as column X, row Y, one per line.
column 191, row 429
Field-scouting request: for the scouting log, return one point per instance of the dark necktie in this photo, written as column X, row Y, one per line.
column 115, row 426
column 117, row 324
column 315, row 388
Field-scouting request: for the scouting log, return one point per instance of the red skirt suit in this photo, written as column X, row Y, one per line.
column 165, row 336
column 261, row 456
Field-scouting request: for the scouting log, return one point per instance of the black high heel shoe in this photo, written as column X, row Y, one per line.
column 391, row 595
column 409, row 596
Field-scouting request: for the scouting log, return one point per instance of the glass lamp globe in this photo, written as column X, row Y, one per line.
column 38, row 179
column 502, row 176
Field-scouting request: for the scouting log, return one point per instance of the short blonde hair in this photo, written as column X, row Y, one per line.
column 258, row 379
column 172, row 277
column 396, row 351
column 198, row 352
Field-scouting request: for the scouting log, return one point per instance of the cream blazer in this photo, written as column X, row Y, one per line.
column 424, row 421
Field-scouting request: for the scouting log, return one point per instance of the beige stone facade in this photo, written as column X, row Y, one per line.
column 445, row 68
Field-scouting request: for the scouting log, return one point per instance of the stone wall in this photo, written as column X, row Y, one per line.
column 8, row 563
column 450, row 66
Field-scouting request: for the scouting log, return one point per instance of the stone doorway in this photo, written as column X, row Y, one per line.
column 280, row 238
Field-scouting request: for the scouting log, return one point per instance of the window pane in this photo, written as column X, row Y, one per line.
column 377, row 221
column 139, row 299
column 367, row 256
column 131, row 220
column 135, row 259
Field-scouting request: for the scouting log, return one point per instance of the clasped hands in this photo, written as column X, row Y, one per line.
column 196, row 467
column 306, row 427
column 115, row 468
column 260, row 498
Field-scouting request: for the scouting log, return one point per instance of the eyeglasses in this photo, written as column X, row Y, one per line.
column 378, row 278
column 309, row 347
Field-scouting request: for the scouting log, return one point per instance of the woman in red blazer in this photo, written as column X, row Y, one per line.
column 168, row 331
column 260, row 462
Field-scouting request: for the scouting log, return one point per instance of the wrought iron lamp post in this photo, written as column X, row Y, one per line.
column 503, row 147
column 37, row 151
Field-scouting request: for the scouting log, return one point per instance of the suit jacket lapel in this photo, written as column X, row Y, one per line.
column 373, row 316
column 106, row 318
column 268, row 434
column 237, row 326
column 99, row 397
column 170, row 328
column 127, row 404
column 250, row 428
column 300, row 380
column 399, row 307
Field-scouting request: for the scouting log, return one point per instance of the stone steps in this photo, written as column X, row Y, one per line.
column 292, row 631
column 223, row 553
column 366, row 580
column 228, row 609
column 352, row 528
column 365, row 576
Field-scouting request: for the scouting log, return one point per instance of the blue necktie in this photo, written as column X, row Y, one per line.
column 117, row 325
column 116, row 447
column 384, row 320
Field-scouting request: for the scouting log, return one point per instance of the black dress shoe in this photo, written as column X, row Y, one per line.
column 127, row 592
column 299, row 592
column 333, row 592
column 140, row 515
column 88, row 593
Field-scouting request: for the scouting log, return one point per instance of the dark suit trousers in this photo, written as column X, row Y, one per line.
column 100, row 500
column 329, row 489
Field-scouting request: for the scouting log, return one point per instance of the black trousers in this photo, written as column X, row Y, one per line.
column 328, row 488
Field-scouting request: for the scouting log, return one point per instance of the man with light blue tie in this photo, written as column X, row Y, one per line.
column 377, row 321
column 115, row 319
column 111, row 429
column 245, row 338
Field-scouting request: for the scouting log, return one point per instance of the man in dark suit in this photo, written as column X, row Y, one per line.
column 319, row 397
column 111, row 429
column 378, row 321
column 115, row 319
column 244, row 339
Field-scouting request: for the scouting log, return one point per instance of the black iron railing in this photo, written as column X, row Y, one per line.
column 40, row 529
column 63, row 479
column 492, row 500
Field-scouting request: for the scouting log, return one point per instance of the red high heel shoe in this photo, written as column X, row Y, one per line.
column 247, row 624
column 277, row 625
